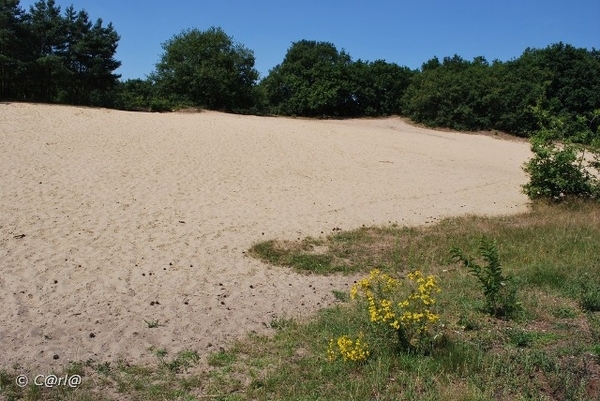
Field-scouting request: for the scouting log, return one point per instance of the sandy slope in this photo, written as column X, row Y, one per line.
column 130, row 217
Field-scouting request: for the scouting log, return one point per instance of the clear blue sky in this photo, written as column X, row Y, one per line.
column 407, row 32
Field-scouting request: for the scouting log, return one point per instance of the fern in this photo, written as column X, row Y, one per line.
column 499, row 290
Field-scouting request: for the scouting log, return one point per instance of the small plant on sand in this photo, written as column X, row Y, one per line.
column 180, row 363
column 499, row 290
column 152, row 324
column 340, row 296
column 405, row 308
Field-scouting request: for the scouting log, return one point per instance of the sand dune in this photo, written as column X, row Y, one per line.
column 110, row 219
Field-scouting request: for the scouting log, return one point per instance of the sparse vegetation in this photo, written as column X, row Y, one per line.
column 551, row 352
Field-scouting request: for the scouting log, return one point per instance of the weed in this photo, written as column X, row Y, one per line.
column 341, row 296
column 408, row 311
column 221, row 358
column 564, row 312
column 350, row 350
column 313, row 263
column 468, row 323
column 159, row 352
column 499, row 290
column 279, row 323
column 596, row 351
column 589, row 296
column 103, row 368
column 520, row 337
column 152, row 324
column 182, row 361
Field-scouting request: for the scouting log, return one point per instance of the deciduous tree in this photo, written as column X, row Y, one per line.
column 313, row 80
column 208, row 69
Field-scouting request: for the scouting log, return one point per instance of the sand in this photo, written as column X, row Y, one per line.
column 110, row 220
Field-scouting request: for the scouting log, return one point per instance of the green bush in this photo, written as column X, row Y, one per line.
column 556, row 173
column 559, row 168
column 160, row 105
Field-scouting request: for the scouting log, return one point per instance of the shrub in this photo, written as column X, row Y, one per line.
column 556, row 173
column 561, row 168
column 405, row 309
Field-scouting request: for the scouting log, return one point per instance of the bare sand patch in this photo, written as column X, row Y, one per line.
column 110, row 219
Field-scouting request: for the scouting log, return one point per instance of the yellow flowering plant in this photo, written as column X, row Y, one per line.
column 350, row 350
column 406, row 306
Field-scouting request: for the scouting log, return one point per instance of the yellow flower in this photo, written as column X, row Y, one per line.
column 331, row 355
column 354, row 351
column 408, row 311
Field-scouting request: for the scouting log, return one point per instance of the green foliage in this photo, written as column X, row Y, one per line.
column 340, row 296
column 499, row 290
column 11, row 45
column 180, row 363
column 299, row 255
column 555, row 173
column 141, row 95
column 453, row 94
column 589, row 295
column 520, row 337
column 206, row 69
column 376, row 88
column 520, row 84
column 221, row 358
column 317, row 80
column 472, row 95
column 573, row 89
column 310, row 80
column 403, row 307
column 53, row 57
column 562, row 169
column 475, row 95
column 135, row 94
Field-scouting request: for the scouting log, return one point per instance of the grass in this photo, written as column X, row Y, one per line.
column 551, row 351
column 152, row 324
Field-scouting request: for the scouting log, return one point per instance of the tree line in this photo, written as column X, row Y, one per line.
column 49, row 56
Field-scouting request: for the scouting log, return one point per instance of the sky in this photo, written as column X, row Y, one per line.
column 405, row 32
